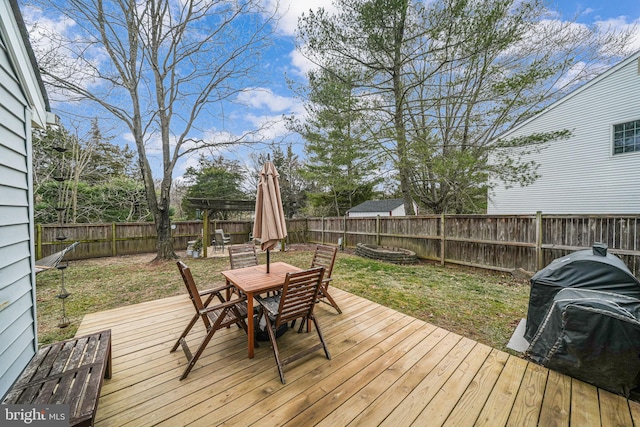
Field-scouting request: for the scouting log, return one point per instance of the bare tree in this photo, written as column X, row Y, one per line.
column 161, row 67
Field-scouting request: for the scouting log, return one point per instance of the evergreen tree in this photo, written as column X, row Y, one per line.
column 217, row 179
column 340, row 160
column 292, row 185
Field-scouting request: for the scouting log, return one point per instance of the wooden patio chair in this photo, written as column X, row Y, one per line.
column 325, row 256
column 242, row 256
column 297, row 300
column 215, row 315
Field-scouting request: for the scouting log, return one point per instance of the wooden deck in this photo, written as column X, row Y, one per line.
column 386, row 369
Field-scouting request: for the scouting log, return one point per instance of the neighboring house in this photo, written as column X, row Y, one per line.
column 596, row 170
column 390, row 207
column 23, row 104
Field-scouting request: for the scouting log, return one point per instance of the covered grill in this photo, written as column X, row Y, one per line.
column 586, row 269
column 584, row 319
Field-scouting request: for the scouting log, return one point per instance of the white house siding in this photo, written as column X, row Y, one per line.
column 581, row 175
column 366, row 214
column 18, row 337
column 399, row 211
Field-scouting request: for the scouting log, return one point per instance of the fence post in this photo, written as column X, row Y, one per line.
column 39, row 241
column 539, row 239
column 442, row 239
column 322, row 231
column 344, row 232
column 113, row 240
column 378, row 240
column 205, row 232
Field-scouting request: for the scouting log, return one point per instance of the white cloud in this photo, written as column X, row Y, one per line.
column 39, row 25
column 290, row 10
column 50, row 37
column 621, row 23
column 270, row 127
column 572, row 76
column 289, row 13
column 182, row 165
column 260, row 98
column 301, row 65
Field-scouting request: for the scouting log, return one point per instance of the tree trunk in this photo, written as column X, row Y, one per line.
column 163, row 222
column 165, row 242
column 404, row 168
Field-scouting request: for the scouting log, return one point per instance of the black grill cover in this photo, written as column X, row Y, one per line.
column 586, row 269
column 593, row 336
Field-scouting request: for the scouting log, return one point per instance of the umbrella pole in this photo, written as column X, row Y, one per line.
column 267, row 260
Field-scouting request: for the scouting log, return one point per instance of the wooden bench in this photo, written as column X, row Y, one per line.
column 68, row 372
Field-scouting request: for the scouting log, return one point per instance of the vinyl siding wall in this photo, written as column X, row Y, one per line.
column 581, row 175
column 18, row 341
column 366, row 214
column 399, row 211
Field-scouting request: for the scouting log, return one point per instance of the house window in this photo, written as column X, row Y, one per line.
column 626, row 137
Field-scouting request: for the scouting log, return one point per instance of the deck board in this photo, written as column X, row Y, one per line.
column 526, row 408
column 556, row 403
column 583, row 413
column 499, row 404
column 437, row 411
column 386, row 369
column 468, row 408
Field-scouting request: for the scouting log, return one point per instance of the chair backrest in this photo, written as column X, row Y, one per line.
column 299, row 295
column 325, row 256
column 190, row 284
column 243, row 256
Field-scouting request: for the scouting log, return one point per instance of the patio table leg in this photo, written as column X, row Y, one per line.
column 250, row 325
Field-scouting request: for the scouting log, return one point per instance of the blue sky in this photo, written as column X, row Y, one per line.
column 596, row 10
column 269, row 102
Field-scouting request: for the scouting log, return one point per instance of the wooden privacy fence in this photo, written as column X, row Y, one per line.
column 103, row 240
column 497, row 242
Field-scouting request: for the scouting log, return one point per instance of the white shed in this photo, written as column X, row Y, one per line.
column 23, row 104
column 388, row 207
column 597, row 169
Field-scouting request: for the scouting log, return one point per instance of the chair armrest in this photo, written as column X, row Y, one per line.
column 223, row 305
column 214, row 290
column 326, row 280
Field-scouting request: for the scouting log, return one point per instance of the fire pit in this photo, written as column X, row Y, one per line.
column 383, row 253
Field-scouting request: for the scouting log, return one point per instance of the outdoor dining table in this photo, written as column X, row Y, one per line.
column 253, row 281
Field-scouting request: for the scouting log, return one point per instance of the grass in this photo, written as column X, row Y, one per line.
column 484, row 306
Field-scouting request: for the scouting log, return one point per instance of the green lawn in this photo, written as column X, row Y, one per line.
column 485, row 306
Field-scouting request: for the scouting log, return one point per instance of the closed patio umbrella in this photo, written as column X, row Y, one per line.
column 269, row 226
